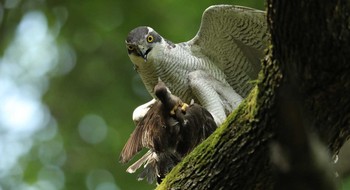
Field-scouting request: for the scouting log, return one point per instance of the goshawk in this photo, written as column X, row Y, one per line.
column 214, row 68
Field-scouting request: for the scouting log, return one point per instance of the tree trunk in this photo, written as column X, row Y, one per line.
column 303, row 94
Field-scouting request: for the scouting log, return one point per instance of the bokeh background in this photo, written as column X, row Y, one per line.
column 68, row 89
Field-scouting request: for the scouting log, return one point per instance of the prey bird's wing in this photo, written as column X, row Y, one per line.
column 144, row 134
column 234, row 38
column 133, row 145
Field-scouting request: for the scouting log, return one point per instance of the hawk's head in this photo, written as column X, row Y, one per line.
column 141, row 42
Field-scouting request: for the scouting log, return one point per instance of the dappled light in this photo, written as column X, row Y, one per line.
column 26, row 122
column 100, row 180
column 92, row 129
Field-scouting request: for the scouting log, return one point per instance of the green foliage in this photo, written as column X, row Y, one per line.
column 346, row 184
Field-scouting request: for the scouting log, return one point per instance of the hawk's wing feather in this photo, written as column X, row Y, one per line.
column 234, row 38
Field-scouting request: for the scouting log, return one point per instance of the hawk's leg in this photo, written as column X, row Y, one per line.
column 216, row 96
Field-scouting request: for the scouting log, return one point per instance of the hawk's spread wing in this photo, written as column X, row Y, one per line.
column 234, row 38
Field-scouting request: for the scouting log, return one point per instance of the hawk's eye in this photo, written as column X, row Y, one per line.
column 150, row 38
column 130, row 47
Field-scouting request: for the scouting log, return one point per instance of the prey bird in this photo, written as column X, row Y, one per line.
column 214, row 68
column 170, row 130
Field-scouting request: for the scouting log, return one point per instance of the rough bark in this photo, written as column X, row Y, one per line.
column 302, row 95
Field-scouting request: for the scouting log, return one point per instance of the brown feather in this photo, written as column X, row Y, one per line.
column 132, row 146
column 141, row 136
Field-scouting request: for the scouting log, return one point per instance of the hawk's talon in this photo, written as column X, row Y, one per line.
column 184, row 107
